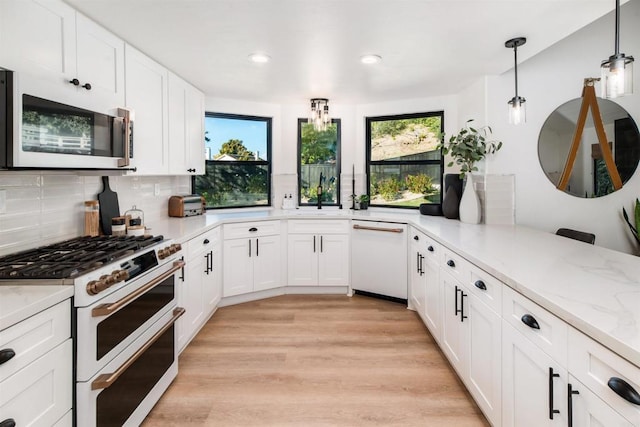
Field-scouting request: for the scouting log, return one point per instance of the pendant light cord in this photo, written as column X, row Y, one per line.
column 617, row 27
column 515, row 56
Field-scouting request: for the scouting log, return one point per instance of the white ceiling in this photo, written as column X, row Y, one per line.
column 429, row 47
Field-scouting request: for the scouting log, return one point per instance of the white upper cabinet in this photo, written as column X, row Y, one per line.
column 186, row 128
column 62, row 55
column 146, row 82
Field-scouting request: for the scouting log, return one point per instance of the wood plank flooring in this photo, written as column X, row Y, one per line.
column 299, row 360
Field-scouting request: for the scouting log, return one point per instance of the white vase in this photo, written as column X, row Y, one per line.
column 470, row 211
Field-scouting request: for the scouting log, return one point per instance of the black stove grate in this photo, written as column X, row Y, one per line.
column 70, row 258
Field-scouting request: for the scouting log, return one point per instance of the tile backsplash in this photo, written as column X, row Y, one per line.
column 43, row 207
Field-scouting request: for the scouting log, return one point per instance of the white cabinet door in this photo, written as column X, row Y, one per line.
column 147, row 95
column 530, row 392
column 484, row 358
column 303, row 260
column 100, row 63
column 417, row 279
column 588, row 410
column 237, row 268
column 191, row 298
column 266, row 263
column 333, row 260
column 454, row 331
column 433, row 298
column 186, row 128
column 39, row 37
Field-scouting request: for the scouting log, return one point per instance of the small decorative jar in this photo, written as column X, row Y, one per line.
column 135, row 217
column 118, row 226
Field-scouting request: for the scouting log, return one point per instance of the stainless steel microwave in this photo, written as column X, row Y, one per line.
column 41, row 133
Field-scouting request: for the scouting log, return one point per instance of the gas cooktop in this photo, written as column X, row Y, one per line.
column 73, row 257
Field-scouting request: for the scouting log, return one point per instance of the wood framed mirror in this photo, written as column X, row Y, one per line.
column 588, row 176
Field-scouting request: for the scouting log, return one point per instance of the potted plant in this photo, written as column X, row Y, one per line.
column 466, row 148
column 363, row 199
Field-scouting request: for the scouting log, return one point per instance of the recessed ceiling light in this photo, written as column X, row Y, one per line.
column 370, row 59
column 259, row 58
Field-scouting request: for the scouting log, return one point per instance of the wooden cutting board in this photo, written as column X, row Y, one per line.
column 109, row 207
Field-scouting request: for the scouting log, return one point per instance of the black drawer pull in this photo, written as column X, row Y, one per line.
column 552, row 411
column 451, row 263
column 530, row 321
column 416, row 238
column 9, row 422
column 570, row 393
column 205, row 242
column 624, row 390
column 6, row 355
column 480, row 285
column 253, row 229
column 430, row 248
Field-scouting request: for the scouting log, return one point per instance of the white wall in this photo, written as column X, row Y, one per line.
column 546, row 81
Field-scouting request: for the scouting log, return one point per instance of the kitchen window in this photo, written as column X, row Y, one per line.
column 238, row 161
column 318, row 163
column 404, row 163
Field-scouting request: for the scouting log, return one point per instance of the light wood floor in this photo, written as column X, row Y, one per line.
column 315, row 361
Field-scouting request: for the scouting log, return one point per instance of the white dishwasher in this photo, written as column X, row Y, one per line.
column 379, row 258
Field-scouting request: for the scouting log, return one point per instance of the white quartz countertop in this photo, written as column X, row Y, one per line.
column 20, row 302
column 594, row 289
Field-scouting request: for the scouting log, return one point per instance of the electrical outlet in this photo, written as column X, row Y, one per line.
column 3, row 201
column 156, row 189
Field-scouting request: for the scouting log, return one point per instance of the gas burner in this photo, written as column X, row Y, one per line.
column 70, row 258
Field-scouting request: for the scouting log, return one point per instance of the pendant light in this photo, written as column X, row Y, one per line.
column 517, row 107
column 617, row 71
column 319, row 114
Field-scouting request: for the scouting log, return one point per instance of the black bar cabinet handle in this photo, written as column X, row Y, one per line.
column 551, row 410
column 451, row 263
column 421, row 265
column 480, row 285
column 6, row 354
column 570, row 393
column 253, row 229
column 9, row 422
column 249, row 248
column 457, row 310
column 462, row 316
column 206, row 270
column 417, row 262
column 430, row 248
column 257, row 247
column 530, row 321
column 624, row 390
column 314, row 244
column 321, row 244
column 210, row 260
column 181, row 270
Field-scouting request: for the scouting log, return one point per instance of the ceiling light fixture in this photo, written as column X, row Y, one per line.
column 319, row 114
column 370, row 59
column 617, row 71
column 517, row 107
column 259, row 58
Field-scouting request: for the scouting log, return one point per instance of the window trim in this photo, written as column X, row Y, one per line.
column 369, row 162
column 338, row 162
column 268, row 163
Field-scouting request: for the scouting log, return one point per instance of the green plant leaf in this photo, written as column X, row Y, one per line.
column 637, row 214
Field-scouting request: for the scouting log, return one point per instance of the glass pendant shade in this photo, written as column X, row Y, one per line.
column 617, row 76
column 517, row 110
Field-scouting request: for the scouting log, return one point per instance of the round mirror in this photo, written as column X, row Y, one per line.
column 585, row 167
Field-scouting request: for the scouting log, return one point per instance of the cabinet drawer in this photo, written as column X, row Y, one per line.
column 455, row 265
column 35, row 336
column 551, row 334
column 40, row 394
column 595, row 365
column 430, row 249
column 203, row 242
column 487, row 288
column 251, row 229
column 318, row 227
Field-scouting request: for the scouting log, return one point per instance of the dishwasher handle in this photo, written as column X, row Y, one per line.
column 388, row 230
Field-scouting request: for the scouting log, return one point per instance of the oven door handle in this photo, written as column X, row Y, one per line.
column 107, row 309
column 106, row 380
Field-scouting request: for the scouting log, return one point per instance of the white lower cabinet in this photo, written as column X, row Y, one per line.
column 36, row 376
column 534, row 386
column 201, row 289
column 252, row 258
column 455, row 332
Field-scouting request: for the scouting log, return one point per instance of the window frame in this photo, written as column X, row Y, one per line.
column 338, row 124
column 268, row 163
column 369, row 162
